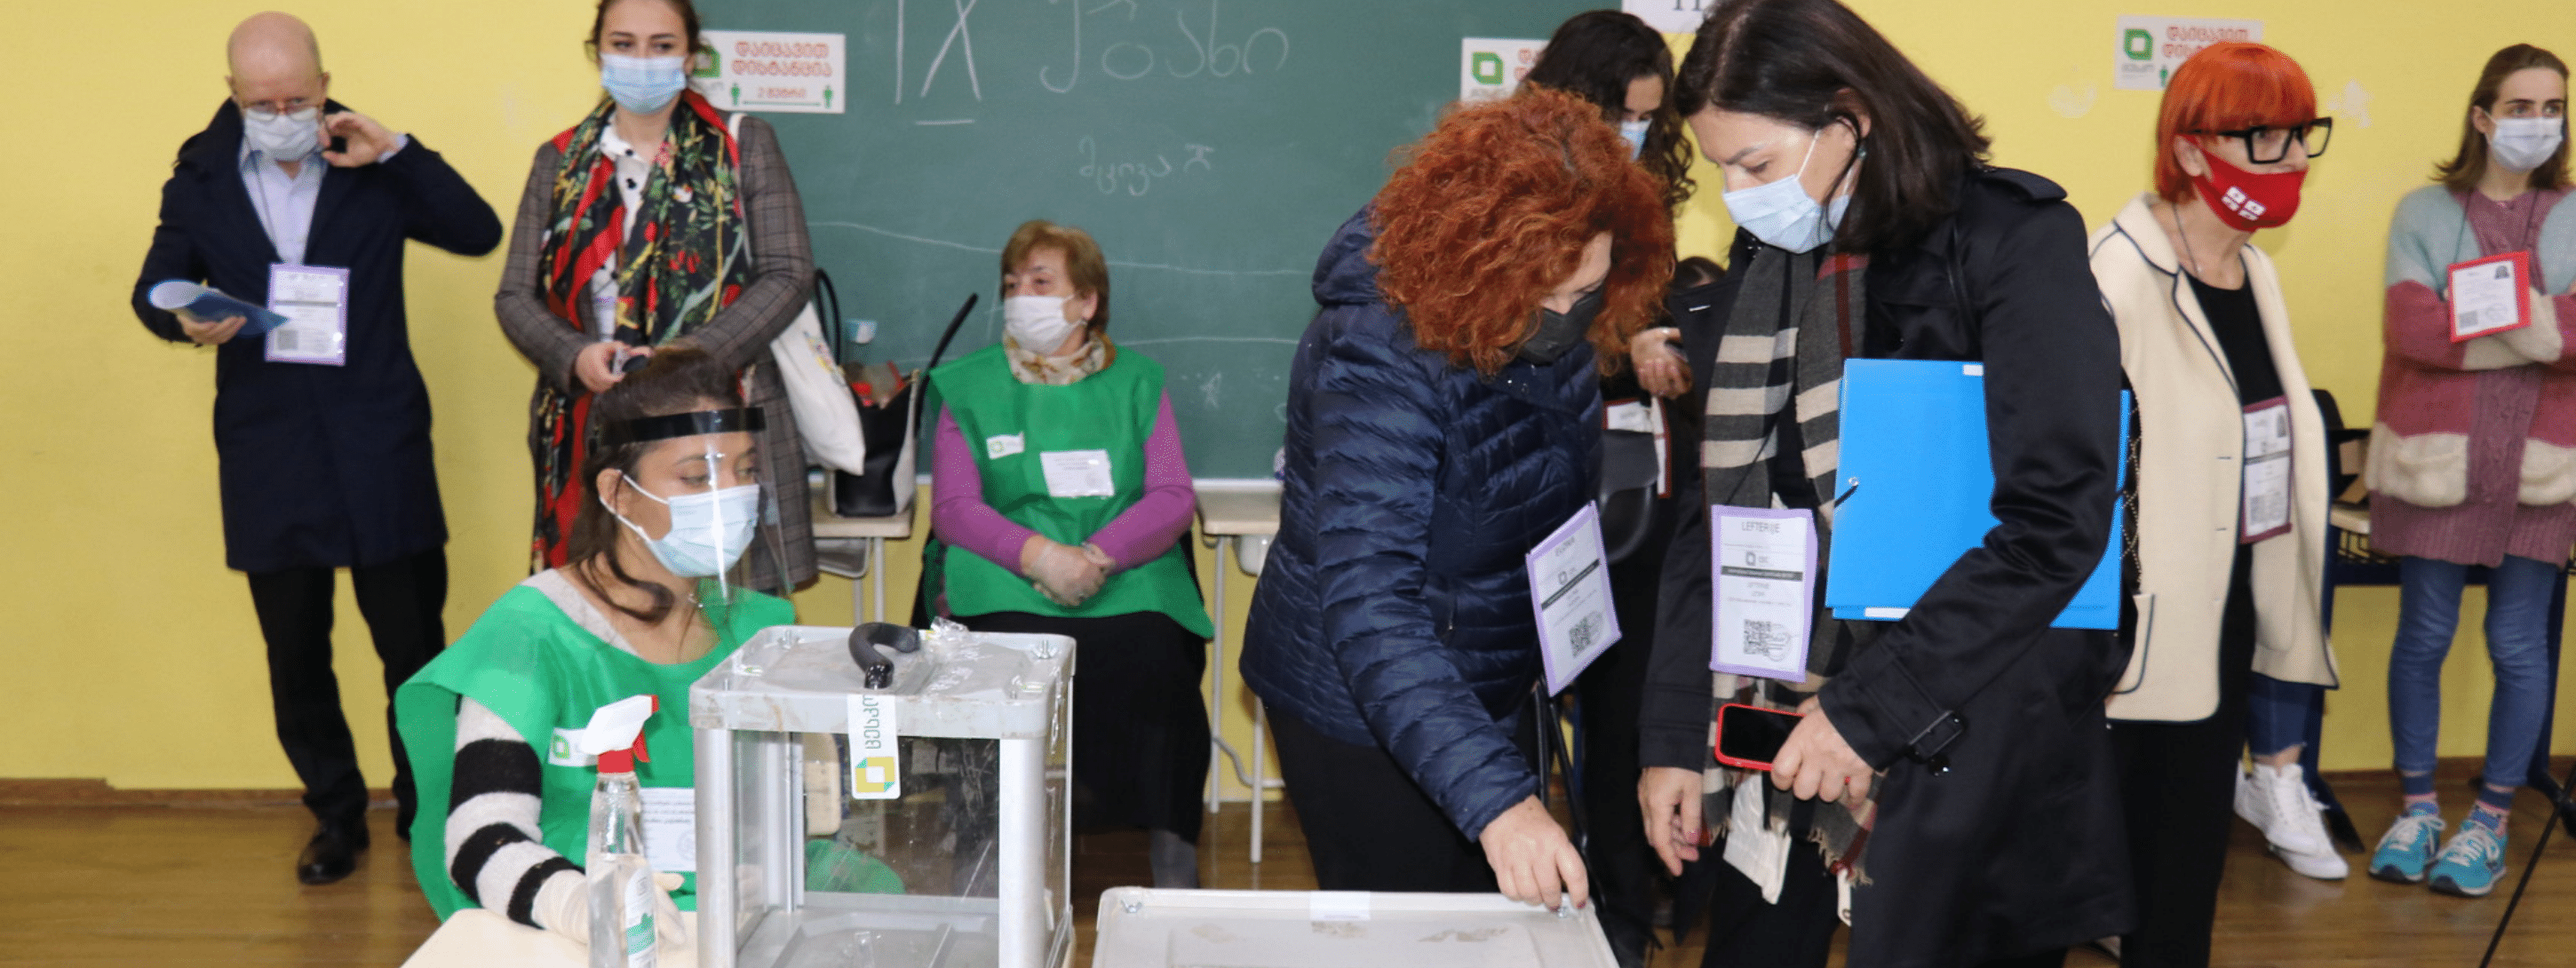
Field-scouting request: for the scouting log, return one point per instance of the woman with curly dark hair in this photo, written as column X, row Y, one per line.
column 1443, row 417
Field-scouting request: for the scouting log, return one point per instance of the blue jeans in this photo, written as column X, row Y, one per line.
column 2428, row 611
column 2276, row 713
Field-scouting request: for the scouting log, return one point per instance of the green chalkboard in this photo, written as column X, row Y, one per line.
column 1211, row 145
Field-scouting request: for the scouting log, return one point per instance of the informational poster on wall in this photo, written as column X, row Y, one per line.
column 746, row 70
column 2151, row 47
column 1492, row 67
column 1670, row 16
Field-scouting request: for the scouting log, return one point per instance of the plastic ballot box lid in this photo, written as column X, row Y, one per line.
column 1146, row 928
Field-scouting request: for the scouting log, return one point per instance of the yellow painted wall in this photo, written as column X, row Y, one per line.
column 133, row 654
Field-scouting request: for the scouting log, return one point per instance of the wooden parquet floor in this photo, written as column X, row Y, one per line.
column 177, row 885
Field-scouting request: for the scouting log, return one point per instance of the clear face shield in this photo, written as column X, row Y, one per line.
column 697, row 501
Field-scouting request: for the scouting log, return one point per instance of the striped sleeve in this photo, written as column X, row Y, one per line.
column 495, row 853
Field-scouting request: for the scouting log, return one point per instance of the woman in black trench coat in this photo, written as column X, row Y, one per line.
column 1878, row 231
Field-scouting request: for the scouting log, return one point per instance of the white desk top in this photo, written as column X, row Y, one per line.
column 1238, row 507
column 476, row 938
column 2350, row 518
column 827, row 525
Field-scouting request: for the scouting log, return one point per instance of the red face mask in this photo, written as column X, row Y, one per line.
column 2249, row 200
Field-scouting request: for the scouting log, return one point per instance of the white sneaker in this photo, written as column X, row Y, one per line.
column 2326, row 866
column 2275, row 800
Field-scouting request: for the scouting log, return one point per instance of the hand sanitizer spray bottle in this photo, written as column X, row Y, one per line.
column 620, row 889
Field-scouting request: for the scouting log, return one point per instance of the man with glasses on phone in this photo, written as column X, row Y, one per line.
column 291, row 201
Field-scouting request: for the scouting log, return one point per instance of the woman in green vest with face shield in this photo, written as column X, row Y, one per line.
column 1059, row 499
column 648, row 601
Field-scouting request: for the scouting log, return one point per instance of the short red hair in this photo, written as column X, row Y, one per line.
column 2227, row 87
column 1491, row 211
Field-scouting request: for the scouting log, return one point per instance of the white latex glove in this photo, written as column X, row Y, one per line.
column 1063, row 573
column 563, row 907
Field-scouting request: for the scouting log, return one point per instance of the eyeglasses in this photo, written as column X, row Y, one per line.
column 2268, row 145
column 278, row 106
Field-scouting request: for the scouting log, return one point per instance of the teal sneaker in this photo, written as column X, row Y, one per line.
column 2406, row 850
column 2471, row 862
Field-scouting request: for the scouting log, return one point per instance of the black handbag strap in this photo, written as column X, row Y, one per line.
column 827, row 304
column 951, row 332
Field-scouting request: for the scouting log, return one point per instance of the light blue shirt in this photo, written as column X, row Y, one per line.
column 285, row 203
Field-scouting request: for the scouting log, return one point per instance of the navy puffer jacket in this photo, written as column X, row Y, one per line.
column 1394, row 610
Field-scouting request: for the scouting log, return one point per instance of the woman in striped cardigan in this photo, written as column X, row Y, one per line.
column 2473, row 457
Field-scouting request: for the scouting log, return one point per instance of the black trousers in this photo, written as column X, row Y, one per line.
column 1140, row 729
column 1368, row 826
column 2178, row 791
column 401, row 601
column 1745, row 931
column 1606, row 697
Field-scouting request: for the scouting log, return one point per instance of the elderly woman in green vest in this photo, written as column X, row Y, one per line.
column 647, row 602
column 1059, row 500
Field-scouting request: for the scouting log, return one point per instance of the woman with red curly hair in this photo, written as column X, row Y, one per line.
column 1443, row 418
column 2231, row 545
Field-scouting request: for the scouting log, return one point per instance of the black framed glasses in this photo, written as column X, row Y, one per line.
column 2269, row 145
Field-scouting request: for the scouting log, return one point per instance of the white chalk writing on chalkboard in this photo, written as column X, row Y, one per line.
column 1137, row 177
column 1207, row 56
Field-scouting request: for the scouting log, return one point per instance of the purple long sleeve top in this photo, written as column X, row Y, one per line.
column 1137, row 535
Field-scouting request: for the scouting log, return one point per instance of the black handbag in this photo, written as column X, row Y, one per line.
column 891, row 428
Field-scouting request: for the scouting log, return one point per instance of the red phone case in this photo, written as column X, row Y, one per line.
column 1717, row 748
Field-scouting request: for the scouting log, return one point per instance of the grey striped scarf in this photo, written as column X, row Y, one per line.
column 1796, row 317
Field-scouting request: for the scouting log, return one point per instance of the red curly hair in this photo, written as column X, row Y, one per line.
column 1490, row 212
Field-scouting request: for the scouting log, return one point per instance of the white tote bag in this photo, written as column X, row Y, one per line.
column 827, row 413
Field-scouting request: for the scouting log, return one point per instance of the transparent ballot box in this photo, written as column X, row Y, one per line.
column 918, row 825
column 1147, row 928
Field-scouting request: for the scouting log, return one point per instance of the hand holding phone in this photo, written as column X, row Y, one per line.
column 1749, row 737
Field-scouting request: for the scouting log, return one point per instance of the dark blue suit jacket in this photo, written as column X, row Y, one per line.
column 322, row 466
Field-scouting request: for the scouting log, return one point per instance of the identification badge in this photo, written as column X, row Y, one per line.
column 1569, row 578
column 876, row 771
column 315, row 302
column 565, row 750
column 2266, row 503
column 1763, row 590
column 1000, row 446
column 2490, row 296
column 1077, row 473
column 671, row 828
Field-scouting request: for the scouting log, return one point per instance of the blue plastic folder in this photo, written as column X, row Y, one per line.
column 1914, row 437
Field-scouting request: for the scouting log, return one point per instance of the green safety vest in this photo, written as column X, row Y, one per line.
column 540, row 672
column 1011, row 426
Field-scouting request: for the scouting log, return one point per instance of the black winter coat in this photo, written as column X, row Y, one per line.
column 322, row 466
column 2016, row 846
column 1394, row 610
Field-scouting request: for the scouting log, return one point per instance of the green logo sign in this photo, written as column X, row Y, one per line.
column 2138, row 44
column 1486, row 67
column 710, row 64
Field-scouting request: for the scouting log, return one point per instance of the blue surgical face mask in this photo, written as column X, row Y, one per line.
column 1783, row 214
column 1635, row 133
column 709, row 530
column 643, row 84
column 2522, row 144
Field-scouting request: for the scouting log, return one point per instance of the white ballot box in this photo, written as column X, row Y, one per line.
column 922, row 824
column 1145, row 928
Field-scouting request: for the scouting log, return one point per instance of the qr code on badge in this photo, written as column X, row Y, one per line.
column 1764, row 639
column 1585, row 632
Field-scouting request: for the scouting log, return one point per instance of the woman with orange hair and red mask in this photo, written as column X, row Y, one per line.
column 2229, row 645
column 1444, row 418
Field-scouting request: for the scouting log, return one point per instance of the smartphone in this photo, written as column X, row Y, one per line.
column 1749, row 737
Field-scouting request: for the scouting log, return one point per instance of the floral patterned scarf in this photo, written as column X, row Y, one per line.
column 687, row 259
